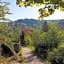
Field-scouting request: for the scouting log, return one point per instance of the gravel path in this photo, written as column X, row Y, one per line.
column 30, row 58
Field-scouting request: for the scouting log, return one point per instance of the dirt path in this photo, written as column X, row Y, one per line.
column 30, row 58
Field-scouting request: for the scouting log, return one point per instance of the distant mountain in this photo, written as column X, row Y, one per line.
column 34, row 23
column 59, row 22
column 26, row 22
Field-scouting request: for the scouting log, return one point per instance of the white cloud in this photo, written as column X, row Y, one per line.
column 57, row 15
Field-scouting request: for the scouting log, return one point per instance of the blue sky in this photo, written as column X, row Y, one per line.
column 31, row 13
column 21, row 12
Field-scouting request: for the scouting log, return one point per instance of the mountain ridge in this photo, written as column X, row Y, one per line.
column 34, row 22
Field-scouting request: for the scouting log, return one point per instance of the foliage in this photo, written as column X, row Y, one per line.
column 61, row 36
column 46, row 41
column 45, row 26
column 8, row 33
column 55, row 56
column 48, row 6
column 28, row 40
column 4, row 10
column 47, row 62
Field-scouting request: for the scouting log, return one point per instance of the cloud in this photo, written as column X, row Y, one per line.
column 57, row 15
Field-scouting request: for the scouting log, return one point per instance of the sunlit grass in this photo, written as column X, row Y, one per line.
column 22, row 55
column 31, row 47
column 4, row 60
column 47, row 62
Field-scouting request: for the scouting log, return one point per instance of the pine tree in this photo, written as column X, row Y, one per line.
column 4, row 10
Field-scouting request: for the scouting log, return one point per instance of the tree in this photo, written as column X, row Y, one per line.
column 4, row 10
column 45, row 26
column 48, row 6
column 4, row 30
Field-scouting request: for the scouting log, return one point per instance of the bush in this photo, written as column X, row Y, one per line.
column 46, row 41
column 57, row 55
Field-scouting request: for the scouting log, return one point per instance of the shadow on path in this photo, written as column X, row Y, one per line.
column 30, row 58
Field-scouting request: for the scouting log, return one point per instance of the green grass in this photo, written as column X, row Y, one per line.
column 31, row 47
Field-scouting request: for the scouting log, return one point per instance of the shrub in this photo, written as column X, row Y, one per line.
column 57, row 55
column 46, row 41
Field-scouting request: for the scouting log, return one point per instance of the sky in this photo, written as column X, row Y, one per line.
column 30, row 13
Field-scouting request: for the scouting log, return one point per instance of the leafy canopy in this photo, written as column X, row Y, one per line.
column 48, row 6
